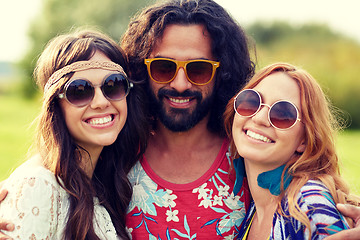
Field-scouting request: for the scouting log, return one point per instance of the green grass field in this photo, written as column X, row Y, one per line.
column 16, row 130
column 16, row 134
column 348, row 146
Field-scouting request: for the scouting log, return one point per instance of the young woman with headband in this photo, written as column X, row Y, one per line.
column 91, row 131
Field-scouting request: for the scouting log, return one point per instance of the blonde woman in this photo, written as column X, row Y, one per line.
column 282, row 127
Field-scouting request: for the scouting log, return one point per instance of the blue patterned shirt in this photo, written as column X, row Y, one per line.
column 316, row 201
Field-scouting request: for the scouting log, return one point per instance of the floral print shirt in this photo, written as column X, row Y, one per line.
column 204, row 209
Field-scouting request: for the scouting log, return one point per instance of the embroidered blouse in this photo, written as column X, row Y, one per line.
column 38, row 206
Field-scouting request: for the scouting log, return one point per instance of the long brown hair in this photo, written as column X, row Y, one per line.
column 62, row 155
column 319, row 160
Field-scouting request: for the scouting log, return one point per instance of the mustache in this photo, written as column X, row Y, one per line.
column 173, row 93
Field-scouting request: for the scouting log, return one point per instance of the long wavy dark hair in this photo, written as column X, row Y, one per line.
column 229, row 46
column 61, row 154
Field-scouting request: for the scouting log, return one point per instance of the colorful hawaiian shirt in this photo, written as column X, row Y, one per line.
column 204, row 209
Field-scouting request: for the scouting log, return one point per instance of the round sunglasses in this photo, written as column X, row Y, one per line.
column 164, row 70
column 80, row 92
column 282, row 114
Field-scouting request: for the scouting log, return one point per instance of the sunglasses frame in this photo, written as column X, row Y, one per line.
column 62, row 94
column 182, row 64
column 269, row 106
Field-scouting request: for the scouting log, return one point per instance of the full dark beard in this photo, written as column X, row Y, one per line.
column 180, row 120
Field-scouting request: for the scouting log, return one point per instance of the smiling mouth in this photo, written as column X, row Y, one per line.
column 177, row 100
column 100, row 121
column 257, row 136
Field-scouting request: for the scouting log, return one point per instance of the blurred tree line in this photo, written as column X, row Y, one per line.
column 60, row 16
column 330, row 57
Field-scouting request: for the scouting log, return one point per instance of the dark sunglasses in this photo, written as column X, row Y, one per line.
column 282, row 114
column 164, row 70
column 80, row 92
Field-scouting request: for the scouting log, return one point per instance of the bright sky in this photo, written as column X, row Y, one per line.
column 342, row 16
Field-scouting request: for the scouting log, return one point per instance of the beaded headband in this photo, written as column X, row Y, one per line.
column 81, row 66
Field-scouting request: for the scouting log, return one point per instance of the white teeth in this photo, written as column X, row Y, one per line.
column 99, row 121
column 179, row 100
column 257, row 136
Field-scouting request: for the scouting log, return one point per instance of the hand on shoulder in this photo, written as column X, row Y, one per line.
column 4, row 225
column 351, row 234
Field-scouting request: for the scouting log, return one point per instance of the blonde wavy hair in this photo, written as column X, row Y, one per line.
column 319, row 161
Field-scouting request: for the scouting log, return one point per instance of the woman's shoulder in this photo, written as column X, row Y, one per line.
column 35, row 203
column 32, row 174
column 315, row 184
column 314, row 188
column 316, row 201
column 314, row 192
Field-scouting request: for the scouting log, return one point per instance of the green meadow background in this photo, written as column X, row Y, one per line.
column 16, row 130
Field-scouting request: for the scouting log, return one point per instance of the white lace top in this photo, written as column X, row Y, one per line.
column 38, row 206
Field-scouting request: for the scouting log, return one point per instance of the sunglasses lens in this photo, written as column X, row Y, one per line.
column 247, row 103
column 199, row 72
column 79, row 92
column 115, row 87
column 162, row 70
column 283, row 115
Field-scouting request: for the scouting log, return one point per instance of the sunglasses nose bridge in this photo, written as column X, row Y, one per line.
column 262, row 116
column 99, row 99
column 264, row 104
column 261, row 107
column 96, row 85
column 181, row 65
column 180, row 81
column 98, row 88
